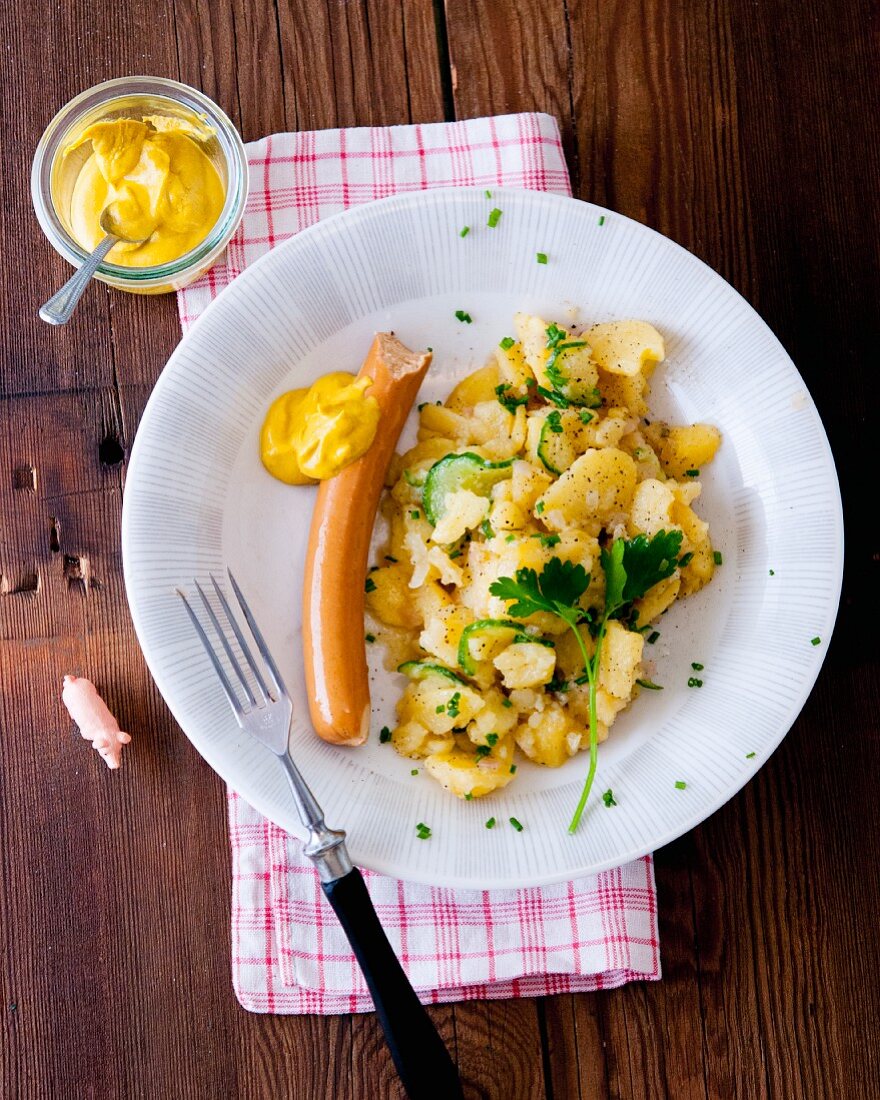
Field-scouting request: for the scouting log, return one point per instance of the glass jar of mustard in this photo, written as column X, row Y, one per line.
column 167, row 158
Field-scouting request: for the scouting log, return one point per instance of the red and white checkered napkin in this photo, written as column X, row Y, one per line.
column 289, row 954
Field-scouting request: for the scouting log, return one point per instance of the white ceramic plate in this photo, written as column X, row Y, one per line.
column 197, row 497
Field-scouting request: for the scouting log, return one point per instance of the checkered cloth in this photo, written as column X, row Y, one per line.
column 289, row 954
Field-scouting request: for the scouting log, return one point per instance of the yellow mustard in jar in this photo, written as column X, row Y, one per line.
column 164, row 190
column 311, row 434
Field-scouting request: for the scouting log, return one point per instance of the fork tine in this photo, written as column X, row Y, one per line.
column 258, row 637
column 242, row 641
column 227, row 648
column 212, row 656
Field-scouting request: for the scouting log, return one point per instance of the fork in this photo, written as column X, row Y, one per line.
column 423, row 1062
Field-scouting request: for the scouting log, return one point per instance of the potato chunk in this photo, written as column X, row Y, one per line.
column 620, row 660
column 597, row 486
column 626, row 347
column 526, row 664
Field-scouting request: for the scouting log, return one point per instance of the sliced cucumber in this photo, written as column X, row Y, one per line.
column 559, row 440
column 497, row 630
column 572, row 373
column 456, row 472
column 420, row 670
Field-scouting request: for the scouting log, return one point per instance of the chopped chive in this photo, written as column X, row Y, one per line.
column 422, row 831
column 539, row 508
column 696, row 666
column 423, row 405
column 483, row 751
column 601, row 219
column 490, row 824
column 650, row 685
column 506, row 703
column 685, row 559
column 384, row 735
column 494, row 218
column 488, row 194
column 542, row 257
column 608, row 798
column 550, row 540
column 464, row 317
column 510, row 538
column 455, row 554
column 415, row 771
column 772, row 573
column 492, row 739
column 506, row 343
column 692, row 473
column 513, row 769
column 750, row 755
column 653, row 636
column 693, row 682
column 680, row 785
column 464, row 232
column 816, row 641
column 716, row 555
column 393, row 560
column 516, row 824
column 440, row 709
column 369, row 585
column 415, row 514
column 585, row 415
column 370, row 638
column 469, row 796
column 486, row 528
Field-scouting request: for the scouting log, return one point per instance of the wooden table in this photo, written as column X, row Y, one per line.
column 749, row 133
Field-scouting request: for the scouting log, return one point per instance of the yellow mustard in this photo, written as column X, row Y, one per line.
column 311, row 434
column 163, row 188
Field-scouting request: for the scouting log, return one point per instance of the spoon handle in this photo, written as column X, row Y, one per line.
column 58, row 309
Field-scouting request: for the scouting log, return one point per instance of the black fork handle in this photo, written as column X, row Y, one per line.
column 422, row 1061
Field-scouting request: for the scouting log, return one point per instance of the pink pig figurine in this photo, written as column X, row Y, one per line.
column 95, row 721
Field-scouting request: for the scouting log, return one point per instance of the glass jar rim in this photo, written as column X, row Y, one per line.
column 52, row 142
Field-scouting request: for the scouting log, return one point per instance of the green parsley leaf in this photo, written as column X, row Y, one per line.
column 384, row 735
column 608, row 798
column 542, row 257
column 506, row 343
column 516, row 824
column 645, row 562
column 494, row 218
column 462, row 316
column 557, row 590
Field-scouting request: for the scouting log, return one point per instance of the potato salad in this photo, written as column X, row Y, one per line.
column 537, row 530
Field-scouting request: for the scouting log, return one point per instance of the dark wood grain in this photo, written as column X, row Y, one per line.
column 750, row 133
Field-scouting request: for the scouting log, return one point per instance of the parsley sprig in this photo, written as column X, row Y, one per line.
column 631, row 567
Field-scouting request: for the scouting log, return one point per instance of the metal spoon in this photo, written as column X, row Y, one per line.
column 61, row 305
